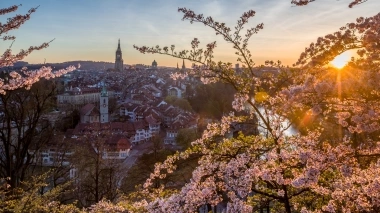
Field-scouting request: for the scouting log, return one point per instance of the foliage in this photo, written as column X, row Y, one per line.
column 210, row 102
column 179, row 102
column 68, row 122
column 24, row 100
column 97, row 178
column 305, row 172
column 186, row 136
column 141, row 170
column 316, row 170
column 305, row 2
column 107, row 207
column 23, row 130
column 29, row 198
column 23, row 78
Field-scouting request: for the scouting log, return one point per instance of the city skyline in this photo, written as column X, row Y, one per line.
column 89, row 30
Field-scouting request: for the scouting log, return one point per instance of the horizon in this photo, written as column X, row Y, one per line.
column 89, row 30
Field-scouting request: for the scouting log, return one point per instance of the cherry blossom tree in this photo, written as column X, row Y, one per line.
column 23, row 78
column 305, row 2
column 23, row 103
column 311, row 171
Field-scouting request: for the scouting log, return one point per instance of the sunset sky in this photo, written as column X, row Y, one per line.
column 89, row 29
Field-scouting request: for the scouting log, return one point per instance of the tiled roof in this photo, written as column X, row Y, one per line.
column 139, row 124
column 86, row 110
column 95, row 111
column 151, row 120
column 117, row 142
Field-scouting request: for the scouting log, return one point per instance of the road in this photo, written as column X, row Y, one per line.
column 136, row 152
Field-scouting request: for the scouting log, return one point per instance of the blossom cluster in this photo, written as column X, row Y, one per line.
column 24, row 78
column 30, row 77
column 310, row 171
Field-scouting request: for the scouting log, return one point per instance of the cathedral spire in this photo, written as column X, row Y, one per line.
column 119, row 65
column 183, row 64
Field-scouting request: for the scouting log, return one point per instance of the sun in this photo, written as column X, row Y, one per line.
column 341, row 60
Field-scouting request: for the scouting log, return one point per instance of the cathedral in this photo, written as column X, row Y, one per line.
column 119, row 59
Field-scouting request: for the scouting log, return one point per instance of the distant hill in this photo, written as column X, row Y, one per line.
column 85, row 65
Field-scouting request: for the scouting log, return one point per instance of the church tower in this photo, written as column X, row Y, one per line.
column 104, row 105
column 183, row 65
column 119, row 59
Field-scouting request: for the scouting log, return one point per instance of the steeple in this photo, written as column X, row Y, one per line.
column 183, row 64
column 119, row 65
column 104, row 92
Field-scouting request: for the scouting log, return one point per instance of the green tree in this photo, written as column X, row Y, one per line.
column 29, row 199
column 210, row 102
column 186, row 136
column 179, row 102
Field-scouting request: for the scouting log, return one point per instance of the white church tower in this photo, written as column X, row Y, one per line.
column 104, row 105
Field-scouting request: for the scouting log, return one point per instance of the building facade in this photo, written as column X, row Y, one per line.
column 104, row 106
column 76, row 98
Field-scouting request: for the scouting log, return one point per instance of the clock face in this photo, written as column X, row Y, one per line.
column 118, row 56
column 104, row 105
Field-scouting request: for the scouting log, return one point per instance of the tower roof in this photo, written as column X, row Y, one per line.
column 183, row 64
column 104, row 92
column 118, row 45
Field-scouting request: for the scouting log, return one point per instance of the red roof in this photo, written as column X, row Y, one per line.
column 118, row 142
column 85, row 110
column 151, row 120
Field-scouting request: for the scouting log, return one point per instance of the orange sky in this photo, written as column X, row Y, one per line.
column 89, row 29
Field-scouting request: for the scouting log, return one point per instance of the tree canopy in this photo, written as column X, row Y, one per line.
column 310, row 171
column 332, row 165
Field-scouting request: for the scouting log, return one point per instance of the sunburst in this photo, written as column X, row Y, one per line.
column 341, row 60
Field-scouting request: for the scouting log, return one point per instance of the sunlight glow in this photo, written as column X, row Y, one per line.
column 341, row 60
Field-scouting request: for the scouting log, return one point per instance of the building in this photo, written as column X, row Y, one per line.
column 104, row 106
column 117, row 147
column 174, row 91
column 114, row 138
column 119, row 65
column 77, row 97
column 89, row 114
column 183, row 65
column 154, row 64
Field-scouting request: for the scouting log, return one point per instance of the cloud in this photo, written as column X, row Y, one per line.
column 151, row 28
column 213, row 8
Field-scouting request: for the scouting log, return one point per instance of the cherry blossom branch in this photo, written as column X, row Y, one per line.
column 306, row 2
column 359, row 35
column 24, row 78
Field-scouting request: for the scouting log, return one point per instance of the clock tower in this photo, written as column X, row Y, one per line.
column 104, row 105
column 119, row 66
